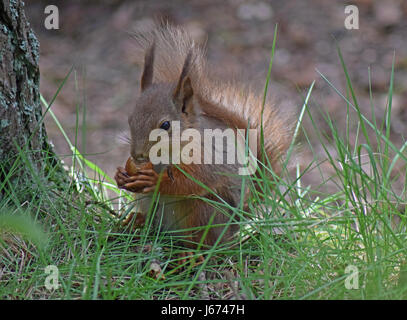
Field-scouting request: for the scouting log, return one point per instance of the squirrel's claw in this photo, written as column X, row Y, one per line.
column 154, row 177
column 120, row 177
column 148, row 172
column 138, row 184
column 145, row 181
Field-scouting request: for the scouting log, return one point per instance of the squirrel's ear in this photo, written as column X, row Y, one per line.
column 147, row 76
column 184, row 92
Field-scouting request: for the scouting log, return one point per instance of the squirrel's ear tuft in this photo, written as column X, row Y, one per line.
column 147, row 76
column 183, row 92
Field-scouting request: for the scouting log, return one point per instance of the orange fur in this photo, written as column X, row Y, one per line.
column 180, row 71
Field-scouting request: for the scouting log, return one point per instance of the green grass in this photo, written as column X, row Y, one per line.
column 295, row 242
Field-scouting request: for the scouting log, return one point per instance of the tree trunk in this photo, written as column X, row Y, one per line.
column 23, row 139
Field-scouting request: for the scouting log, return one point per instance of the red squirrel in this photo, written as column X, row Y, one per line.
column 177, row 87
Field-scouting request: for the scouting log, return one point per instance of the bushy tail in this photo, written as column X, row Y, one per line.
column 173, row 44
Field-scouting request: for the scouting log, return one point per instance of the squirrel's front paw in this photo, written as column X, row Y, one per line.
column 145, row 181
column 129, row 183
column 120, row 177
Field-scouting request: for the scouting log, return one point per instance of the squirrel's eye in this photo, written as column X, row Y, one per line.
column 165, row 125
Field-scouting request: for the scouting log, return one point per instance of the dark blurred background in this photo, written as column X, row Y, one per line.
column 94, row 38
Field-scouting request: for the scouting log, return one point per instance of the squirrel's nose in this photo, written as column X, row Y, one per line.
column 138, row 154
column 140, row 157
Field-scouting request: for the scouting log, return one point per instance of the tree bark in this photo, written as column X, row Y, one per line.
column 22, row 134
